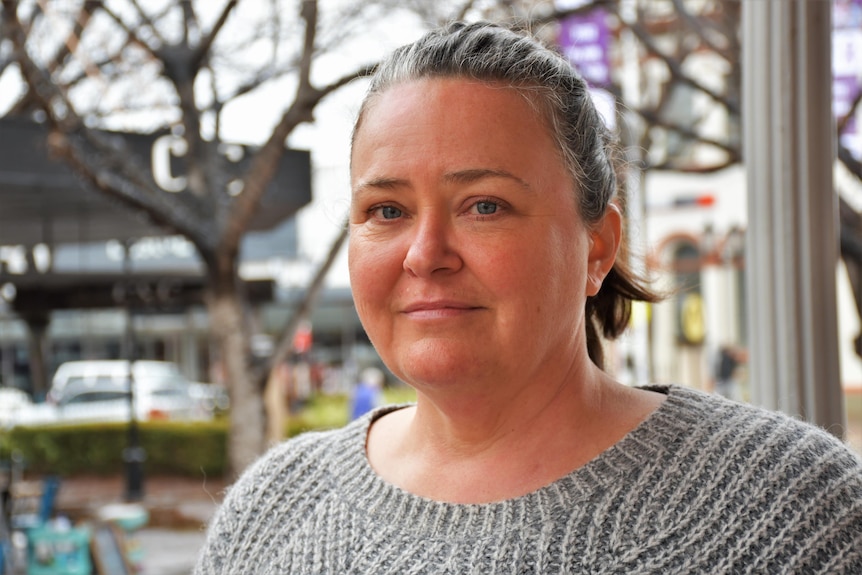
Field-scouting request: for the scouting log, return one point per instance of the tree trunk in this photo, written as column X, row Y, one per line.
column 275, row 396
column 275, row 403
column 246, row 436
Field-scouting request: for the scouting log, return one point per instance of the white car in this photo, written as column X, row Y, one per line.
column 91, row 372
column 98, row 391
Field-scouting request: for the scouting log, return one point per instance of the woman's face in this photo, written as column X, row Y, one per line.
column 468, row 258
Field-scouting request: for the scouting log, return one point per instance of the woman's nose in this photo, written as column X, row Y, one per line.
column 433, row 248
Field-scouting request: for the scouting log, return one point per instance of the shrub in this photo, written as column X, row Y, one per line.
column 172, row 448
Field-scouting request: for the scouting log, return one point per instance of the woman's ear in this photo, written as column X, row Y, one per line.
column 605, row 239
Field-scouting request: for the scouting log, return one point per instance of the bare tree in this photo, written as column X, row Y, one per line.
column 93, row 65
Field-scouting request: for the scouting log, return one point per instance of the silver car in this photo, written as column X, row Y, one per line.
column 98, row 391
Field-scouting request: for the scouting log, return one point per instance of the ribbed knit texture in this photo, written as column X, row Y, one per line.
column 702, row 486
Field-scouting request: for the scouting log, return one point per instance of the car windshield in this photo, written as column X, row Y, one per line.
column 93, row 396
column 170, row 392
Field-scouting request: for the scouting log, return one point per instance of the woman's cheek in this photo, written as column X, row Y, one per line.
column 373, row 268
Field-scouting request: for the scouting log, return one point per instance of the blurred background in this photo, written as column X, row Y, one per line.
column 174, row 185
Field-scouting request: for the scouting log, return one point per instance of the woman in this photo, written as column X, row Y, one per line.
column 483, row 261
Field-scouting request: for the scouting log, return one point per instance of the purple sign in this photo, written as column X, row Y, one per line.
column 584, row 40
column 844, row 91
column 847, row 68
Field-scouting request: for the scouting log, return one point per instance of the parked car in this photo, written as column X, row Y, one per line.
column 96, row 391
column 91, row 372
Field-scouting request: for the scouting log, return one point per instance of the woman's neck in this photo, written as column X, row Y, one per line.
column 484, row 449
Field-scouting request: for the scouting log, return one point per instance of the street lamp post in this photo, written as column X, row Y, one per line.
column 134, row 454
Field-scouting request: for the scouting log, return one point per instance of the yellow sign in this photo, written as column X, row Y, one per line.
column 691, row 319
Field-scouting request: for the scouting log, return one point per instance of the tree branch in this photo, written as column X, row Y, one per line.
column 207, row 41
column 851, row 163
column 842, row 122
column 675, row 166
column 100, row 160
column 266, row 160
column 285, row 338
column 145, row 18
column 131, row 35
column 68, row 47
column 675, row 68
column 557, row 14
column 363, row 72
column 466, row 7
column 652, row 118
column 698, row 28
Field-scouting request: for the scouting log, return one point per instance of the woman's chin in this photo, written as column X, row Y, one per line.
column 437, row 365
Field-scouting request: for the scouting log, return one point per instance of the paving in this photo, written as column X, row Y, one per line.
column 178, row 510
column 169, row 552
column 172, row 502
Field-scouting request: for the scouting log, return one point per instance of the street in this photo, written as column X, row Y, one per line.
column 169, row 552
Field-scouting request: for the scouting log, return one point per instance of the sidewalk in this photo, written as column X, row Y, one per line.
column 179, row 509
column 172, row 502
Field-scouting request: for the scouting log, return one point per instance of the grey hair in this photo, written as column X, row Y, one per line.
column 491, row 53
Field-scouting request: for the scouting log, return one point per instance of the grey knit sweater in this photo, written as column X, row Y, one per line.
column 702, row 486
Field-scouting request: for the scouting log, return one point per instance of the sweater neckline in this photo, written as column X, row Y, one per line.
column 367, row 492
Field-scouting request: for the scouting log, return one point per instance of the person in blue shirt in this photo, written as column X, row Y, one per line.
column 366, row 396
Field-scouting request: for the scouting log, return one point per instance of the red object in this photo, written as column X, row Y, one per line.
column 302, row 340
column 702, row 201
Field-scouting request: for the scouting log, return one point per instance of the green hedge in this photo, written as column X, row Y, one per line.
column 186, row 449
column 173, row 448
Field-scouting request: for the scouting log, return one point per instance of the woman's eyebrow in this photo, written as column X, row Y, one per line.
column 467, row 176
column 379, row 184
column 473, row 175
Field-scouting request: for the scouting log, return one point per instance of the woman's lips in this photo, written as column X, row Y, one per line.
column 438, row 309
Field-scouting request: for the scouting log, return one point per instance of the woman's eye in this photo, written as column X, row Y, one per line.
column 486, row 208
column 387, row 212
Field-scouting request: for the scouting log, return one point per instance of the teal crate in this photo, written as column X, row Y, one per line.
column 52, row 551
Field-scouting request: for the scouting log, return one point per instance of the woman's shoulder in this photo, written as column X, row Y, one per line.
column 294, row 462
column 729, row 420
column 768, row 488
column 287, row 483
column 311, row 456
column 749, row 440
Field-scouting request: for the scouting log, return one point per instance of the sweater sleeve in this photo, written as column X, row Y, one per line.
column 742, row 490
column 794, row 496
column 820, row 510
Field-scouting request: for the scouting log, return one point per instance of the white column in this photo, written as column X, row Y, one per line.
column 792, row 247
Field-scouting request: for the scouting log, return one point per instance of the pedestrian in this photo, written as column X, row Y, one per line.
column 367, row 394
column 725, row 372
column 483, row 257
